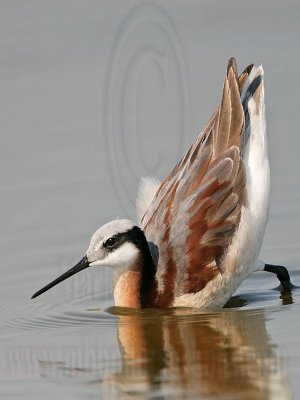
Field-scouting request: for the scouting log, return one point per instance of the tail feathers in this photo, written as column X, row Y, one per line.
column 253, row 91
column 244, row 76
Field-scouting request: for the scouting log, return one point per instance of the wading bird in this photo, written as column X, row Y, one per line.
column 202, row 227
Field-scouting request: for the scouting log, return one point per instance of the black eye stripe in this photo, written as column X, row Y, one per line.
column 111, row 242
column 134, row 236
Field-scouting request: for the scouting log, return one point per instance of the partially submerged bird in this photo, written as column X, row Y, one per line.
column 202, row 227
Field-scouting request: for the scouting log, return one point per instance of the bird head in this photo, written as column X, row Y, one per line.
column 119, row 244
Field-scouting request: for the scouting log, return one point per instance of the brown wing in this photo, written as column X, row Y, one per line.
column 196, row 210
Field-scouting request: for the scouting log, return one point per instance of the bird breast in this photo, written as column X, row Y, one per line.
column 127, row 289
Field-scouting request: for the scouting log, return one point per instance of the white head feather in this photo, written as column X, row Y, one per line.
column 123, row 257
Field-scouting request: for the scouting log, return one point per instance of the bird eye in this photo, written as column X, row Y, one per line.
column 111, row 242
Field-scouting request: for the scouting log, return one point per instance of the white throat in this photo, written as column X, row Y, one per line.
column 121, row 260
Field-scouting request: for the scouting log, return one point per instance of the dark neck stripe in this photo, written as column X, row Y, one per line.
column 148, row 288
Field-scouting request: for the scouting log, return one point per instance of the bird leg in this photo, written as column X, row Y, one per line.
column 282, row 274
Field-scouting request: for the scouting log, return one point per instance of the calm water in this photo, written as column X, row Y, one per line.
column 92, row 96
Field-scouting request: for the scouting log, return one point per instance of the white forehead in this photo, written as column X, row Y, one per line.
column 112, row 228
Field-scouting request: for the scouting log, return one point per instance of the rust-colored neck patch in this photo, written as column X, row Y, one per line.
column 127, row 289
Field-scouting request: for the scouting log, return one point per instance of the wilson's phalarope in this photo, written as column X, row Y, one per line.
column 202, row 228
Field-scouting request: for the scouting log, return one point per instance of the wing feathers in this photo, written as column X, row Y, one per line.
column 221, row 130
column 237, row 115
column 227, row 207
column 230, row 117
column 222, row 170
column 197, row 209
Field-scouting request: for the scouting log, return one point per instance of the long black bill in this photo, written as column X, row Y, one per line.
column 84, row 263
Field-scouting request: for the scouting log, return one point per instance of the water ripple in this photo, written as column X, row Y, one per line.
column 53, row 315
column 80, row 313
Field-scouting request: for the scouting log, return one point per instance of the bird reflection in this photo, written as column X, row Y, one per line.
column 182, row 354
